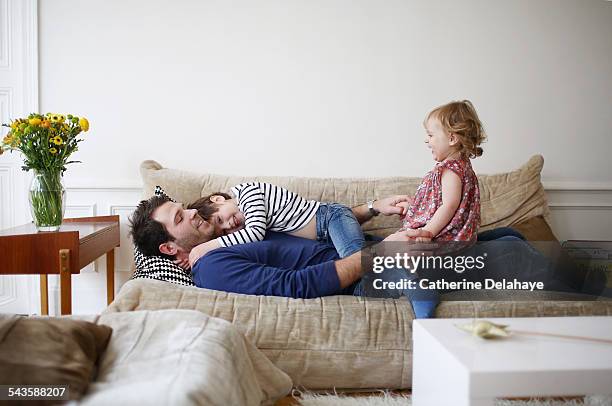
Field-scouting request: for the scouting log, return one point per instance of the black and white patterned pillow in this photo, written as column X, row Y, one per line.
column 160, row 268
column 160, row 192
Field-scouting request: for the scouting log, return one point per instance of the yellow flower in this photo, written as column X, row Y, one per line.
column 57, row 118
column 57, row 140
column 15, row 125
column 84, row 124
column 34, row 121
column 53, row 150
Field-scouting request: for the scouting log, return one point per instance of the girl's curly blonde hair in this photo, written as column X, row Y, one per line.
column 460, row 118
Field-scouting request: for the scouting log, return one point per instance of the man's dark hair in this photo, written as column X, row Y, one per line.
column 147, row 233
column 205, row 207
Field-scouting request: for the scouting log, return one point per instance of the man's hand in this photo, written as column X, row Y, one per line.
column 410, row 235
column 392, row 205
column 415, row 242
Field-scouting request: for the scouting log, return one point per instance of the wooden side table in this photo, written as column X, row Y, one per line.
column 79, row 241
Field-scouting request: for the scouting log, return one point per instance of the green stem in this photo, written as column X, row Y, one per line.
column 46, row 198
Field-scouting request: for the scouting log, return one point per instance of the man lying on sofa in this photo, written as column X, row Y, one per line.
column 283, row 265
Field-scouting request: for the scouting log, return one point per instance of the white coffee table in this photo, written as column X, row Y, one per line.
column 452, row 367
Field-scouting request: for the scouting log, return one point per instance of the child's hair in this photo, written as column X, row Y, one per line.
column 205, row 207
column 461, row 119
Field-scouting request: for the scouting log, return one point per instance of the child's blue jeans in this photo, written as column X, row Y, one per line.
column 337, row 225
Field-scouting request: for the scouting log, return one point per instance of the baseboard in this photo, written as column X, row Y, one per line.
column 581, row 213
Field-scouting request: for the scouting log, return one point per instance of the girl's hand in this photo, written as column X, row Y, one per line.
column 423, row 239
column 404, row 207
column 200, row 250
column 391, row 205
column 182, row 260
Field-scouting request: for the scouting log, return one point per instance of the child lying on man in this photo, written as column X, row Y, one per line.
column 252, row 208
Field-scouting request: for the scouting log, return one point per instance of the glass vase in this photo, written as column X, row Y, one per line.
column 47, row 200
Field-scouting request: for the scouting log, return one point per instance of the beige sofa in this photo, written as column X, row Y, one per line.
column 345, row 341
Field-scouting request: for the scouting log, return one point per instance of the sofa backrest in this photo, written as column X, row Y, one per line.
column 506, row 198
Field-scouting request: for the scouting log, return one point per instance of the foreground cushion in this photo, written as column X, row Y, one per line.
column 182, row 357
column 50, row 351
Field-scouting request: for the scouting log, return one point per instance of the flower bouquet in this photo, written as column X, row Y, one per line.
column 46, row 143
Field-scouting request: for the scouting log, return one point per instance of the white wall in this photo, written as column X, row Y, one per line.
column 323, row 88
column 327, row 88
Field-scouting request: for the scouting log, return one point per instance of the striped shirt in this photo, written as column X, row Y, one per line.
column 268, row 207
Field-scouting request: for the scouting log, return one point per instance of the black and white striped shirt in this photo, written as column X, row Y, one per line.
column 268, row 207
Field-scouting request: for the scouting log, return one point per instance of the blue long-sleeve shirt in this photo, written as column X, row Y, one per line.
column 280, row 265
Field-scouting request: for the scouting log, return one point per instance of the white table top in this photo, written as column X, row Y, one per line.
column 523, row 352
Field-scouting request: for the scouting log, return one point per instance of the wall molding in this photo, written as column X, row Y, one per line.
column 581, row 213
column 8, row 290
column 30, row 78
column 5, row 35
column 564, row 198
column 7, row 215
column 578, row 186
column 124, row 256
column 105, row 188
column 81, row 210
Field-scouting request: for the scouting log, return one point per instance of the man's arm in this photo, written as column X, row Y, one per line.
column 350, row 269
column 240, row 269
column 200, row 250
column 237, row 271
column 386, row 206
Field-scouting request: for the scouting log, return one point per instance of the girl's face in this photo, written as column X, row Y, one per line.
column 441, row 143
column 228, row 218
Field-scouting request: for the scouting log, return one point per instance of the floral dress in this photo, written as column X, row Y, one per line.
column 428, row 198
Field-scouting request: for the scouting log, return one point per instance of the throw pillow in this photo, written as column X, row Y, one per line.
column 50, row 351
column 161, row 269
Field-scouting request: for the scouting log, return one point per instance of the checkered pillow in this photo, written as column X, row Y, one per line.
column 160, row 268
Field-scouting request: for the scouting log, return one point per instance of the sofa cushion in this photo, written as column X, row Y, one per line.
column 535, row 229
column 506, row 198
column 335, row 341
column 50, row 351
column 181, row 357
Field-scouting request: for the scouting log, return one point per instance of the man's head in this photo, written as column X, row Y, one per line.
column 162, row 227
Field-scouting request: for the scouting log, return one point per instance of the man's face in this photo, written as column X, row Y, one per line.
column 186, row 226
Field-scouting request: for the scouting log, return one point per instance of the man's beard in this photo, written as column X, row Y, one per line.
column 187, row 244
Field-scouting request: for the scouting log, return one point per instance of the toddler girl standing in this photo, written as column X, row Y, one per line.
column 447, row 202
